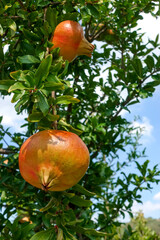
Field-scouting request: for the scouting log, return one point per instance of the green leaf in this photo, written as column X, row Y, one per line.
column 62, row 75
column 17, row 86
column 83, row 190
column 80, row 202
column 51, row 17
column 35, row 117
column 22, row 102
column 150, row 62
column 53, row 86
column 25, row 76
column 16, row 97
column 5, row 84
column 56, row 67
column 43, row 235
column 156, row 77
column 92, row 10
column 71, row 16
column 42, row 102
column 66, row 99
column 28, row 59
column 68, row 235
column 26, row 230
column 87, row 231
column 69, row 127
column 53, row 201
column 31, row 36
column 17, row 75
column 137, row 65
column 43, row 70
column 12, row 25
column 52, row 117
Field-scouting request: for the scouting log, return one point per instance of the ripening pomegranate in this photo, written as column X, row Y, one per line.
column 53, row 160
column 69, row 37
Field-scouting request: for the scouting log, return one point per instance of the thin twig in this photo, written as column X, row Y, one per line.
column 69, row 110
column 7, row 151
column 53, row 94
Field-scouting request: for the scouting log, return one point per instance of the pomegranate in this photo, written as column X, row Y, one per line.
column 53, row 160
column 69, row 37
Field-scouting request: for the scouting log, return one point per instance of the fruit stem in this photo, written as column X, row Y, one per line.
column 54, row 124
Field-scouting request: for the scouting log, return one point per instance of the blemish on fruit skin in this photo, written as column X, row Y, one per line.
column 54, row 142
column 60, row 139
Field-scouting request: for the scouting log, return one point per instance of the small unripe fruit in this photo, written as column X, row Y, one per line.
column 69, row 37
column 53, row 160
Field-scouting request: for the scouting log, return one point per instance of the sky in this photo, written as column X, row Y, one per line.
column 147, row 109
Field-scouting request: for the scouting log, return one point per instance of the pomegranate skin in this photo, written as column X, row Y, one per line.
column 53, row 160
column 69, row 37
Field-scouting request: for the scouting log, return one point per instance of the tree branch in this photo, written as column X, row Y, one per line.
column 53, row 94
column 7, row 151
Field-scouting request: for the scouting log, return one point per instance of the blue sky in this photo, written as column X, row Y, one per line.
column 147, row 109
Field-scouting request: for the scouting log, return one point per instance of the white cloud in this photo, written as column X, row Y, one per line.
column 147, row 207
column 10, row 117
column 147, row 26
column 146, row 129
column 157, row 196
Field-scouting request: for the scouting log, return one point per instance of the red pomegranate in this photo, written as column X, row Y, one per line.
column 53, row 160
column 69, row 37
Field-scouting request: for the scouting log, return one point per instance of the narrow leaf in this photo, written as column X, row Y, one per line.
column 52, row 202
column 66, row 99
column 28, row 59
column 83, row 190
column 69, row 127
column 53, row 86
column 43, row 235
column 17, row 86
column 27, row 229
column 17, row 75
column 80, row 202
column 35, row 117
column 52, row 117
column 150, row 62
column 64, row 71
column 16, row 97
column 12, row 25
column 5, row 84
column 43, row 70
column 137, row 65
column 51, row 17
column 31, row 36
column 42, row 102
column 87, row 231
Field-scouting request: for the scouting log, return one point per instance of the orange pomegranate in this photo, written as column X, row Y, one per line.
column 69, row 37
column 53, row 160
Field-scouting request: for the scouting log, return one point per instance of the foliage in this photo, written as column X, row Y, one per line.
column 137, row 229
column 87, row 97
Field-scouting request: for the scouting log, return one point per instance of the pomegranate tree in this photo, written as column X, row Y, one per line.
column 53, row 160
column 69, row 37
